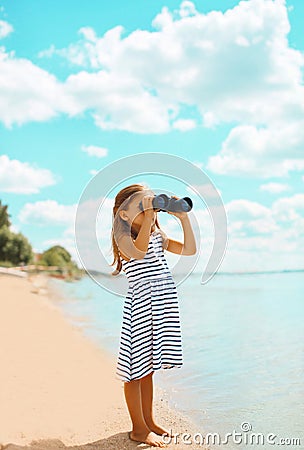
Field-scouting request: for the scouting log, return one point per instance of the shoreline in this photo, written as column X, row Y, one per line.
column 60, row 387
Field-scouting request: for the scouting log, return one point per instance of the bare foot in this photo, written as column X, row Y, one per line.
column 149, row 438
column 160, row 430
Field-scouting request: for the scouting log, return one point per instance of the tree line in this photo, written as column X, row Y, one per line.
column 16, row 250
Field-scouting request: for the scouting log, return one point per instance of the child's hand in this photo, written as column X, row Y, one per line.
column 179, row 215
column 148, row 206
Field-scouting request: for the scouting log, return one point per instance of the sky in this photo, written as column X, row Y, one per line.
column 218, row 83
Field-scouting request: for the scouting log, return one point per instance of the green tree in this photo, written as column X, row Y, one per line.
column 14, row 247
column 56, row 256
column 4, row 216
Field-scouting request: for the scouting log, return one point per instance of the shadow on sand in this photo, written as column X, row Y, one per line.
column 119, row 441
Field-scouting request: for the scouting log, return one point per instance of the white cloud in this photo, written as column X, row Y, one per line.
column 118, row 102
column 184, row 124
column 209, row 120
column 287, row 209
column 207, row 191
column 259, row 237
column 234, row 66
column 246, row 218
column 5, row 29
column 265, row 238
column 283, row 219
column 48, row 53
column 28, row 93
column 187, row 9
column 274, row 188
column 47, row 212
column 264, row 152
column 23, row 178
column 246, row 209
column 93, row 150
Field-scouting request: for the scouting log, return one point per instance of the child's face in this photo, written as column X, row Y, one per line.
column 133, row 214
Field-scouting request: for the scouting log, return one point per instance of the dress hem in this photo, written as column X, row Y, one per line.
column 163, row 366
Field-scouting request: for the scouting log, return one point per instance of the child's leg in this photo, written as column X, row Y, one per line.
column 146, row 387
column 140, row 431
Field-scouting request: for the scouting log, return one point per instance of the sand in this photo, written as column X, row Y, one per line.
column 58, row 388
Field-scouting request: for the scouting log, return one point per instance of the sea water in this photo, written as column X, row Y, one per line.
column 243, row 340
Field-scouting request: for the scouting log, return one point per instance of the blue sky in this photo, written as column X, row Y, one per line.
column 219, row 83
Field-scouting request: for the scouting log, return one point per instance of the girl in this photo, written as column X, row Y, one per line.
column 150, row 336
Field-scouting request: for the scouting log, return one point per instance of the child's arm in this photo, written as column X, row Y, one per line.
column 138, row 248
column 189, row 246
column 128, row 248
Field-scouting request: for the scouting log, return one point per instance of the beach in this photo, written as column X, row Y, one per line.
column 58, row 388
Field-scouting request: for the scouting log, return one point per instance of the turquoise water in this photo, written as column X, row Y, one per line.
column 243, row 349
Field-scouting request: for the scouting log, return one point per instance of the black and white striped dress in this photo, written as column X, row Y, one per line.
column 150, row 336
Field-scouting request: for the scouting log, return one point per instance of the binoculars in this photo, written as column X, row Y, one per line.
column 164, row 203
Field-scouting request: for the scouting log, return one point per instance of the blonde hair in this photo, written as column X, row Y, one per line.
column 124, row 196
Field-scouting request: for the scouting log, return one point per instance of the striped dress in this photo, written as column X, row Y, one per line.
column 150, row 336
